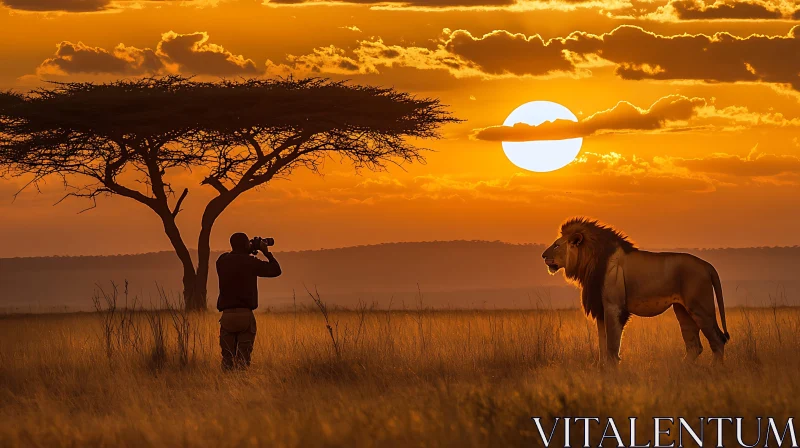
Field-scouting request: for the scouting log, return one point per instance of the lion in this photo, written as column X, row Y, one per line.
column 617, row 280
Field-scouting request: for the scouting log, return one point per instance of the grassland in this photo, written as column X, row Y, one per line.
column 392, row 378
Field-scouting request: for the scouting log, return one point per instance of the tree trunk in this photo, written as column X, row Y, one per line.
column 214, row 208
column 203, row 258
column 194, row 299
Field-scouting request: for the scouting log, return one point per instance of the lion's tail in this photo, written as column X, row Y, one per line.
column 720, row 302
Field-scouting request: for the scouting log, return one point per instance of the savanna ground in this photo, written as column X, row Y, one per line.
column 413, row 377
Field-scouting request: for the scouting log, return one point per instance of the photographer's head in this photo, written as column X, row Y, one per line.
column 240, row 243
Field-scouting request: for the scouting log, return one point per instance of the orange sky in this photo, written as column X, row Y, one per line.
column 704, row 151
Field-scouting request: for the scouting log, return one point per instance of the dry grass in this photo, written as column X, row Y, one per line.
column 398, row 378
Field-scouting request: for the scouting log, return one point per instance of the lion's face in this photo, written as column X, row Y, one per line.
column 562, row 250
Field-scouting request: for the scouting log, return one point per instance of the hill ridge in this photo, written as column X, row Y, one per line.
column 400, row 243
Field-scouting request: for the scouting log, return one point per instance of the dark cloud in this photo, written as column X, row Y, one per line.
column 636, row 54
column 432, row 5
column 490, row 52
column 406, row 3
column 88, row 6
column 676, row 10
column 639, row 54
column 658, row 10
column 672, row 113
column 193, row 54
column 735, row 10
column 79, row 58
column 673, row 10
column 175, row 53
column 721, row 57
column 622, row 117
column 58, row 5
column 496, row 54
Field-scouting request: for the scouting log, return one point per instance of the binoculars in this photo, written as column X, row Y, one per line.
column 255, row 243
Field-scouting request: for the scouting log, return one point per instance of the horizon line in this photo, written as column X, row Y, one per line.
column 388, row 243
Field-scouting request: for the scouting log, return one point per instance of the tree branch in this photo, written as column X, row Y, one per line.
column 156, row 174
column 249, row 178
column 109, row 182
column 256, row 146
column 178, row 204
column 214, row 182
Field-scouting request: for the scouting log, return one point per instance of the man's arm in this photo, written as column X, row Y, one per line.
column 269, row 268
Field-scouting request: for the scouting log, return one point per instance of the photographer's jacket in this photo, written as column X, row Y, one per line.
column 238, row 278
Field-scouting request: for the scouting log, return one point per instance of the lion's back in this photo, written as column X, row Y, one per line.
column 661, row 274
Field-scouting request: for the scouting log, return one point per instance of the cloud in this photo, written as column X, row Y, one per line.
column 80, row 58
column 406, row 3
column 689, row 174
column 175, row 53
column 632, row 52
column 331, row 60
column 636, row 175
column 620, row 174
column 590, row 177
column 668, row 114
column 499, row 54
column 482, row 5
column 385, row 183
column 721, row 57
column 192, row 53
column 536, row 56
column 369, row 57
column 624, row 116
column 58, row 5
column 90, row 6
column 635, row 54
column 753, row 165
column 657, row 10
column 678, row 10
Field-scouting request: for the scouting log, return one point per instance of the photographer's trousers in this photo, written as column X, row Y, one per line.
column 237, row 334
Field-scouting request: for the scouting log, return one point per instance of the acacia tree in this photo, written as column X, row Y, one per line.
column 127, row 137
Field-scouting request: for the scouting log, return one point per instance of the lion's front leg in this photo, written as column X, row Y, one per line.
column 601, row 340
column 614, row 320
column 615, row 312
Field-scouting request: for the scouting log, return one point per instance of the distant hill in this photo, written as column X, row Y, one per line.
column 459, row 274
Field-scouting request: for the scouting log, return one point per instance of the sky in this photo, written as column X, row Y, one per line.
column 689, row 113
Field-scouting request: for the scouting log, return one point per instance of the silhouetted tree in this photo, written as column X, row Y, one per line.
column 122, row 138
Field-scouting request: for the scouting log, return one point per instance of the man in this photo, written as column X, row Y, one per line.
column 238, row 273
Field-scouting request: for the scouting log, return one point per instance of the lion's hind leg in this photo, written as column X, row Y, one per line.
column 690, row 332
column 716, row 340
column 700, row 306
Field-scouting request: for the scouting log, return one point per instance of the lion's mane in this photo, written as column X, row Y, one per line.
column 589, row 267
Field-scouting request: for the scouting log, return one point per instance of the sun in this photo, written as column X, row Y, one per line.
column 541, row 155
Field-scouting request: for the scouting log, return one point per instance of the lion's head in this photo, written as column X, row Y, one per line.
column 562, row 252
column 582, row 244
column 582, row 250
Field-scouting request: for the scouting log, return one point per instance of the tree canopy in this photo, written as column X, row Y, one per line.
column 239, row 134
